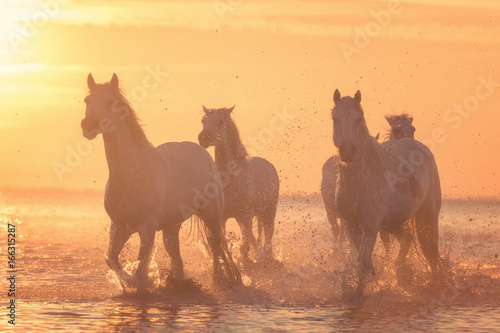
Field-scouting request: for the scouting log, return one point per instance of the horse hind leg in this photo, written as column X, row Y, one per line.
column 171, row 243
column 335, row 225
column 427, row 231
column 405, row 239
column 118, row 236
column 248, row 239
column 266, row 220
column 385, row 237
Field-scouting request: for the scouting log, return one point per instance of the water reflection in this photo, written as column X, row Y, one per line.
column 153, row 316
column 142, row 315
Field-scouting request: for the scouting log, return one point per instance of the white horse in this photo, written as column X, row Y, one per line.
column 151, row 189
column 380, row 186
column 251, row 184
column 401, row 128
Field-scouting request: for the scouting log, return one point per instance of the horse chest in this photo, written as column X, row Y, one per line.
column 359, row 195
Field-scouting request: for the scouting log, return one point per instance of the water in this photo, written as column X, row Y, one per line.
column 63, row 283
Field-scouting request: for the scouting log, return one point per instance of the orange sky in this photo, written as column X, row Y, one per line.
column 428, row 58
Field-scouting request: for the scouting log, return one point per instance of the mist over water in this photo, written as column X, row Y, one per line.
column 63, row 281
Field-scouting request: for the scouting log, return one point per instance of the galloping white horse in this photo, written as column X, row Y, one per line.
column 251, row 184
column 381, row 186
column 151, row 189
column 401, row 128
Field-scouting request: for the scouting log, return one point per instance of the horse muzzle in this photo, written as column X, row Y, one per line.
column 205, row 139
column 347, row 153
column 90, row 128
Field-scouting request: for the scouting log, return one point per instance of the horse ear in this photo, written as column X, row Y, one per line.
column 377, row 136
column 231, row 109
column 411, row 120
column 205, row 109
column 114, row 81
column 336, row 96
column 90, row 82
column 389, row 120
column 357, row 96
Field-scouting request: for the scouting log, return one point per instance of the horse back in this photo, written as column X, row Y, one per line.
column 414, row 178
column 193, row 180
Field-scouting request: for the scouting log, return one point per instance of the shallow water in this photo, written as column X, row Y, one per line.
column 63, row 283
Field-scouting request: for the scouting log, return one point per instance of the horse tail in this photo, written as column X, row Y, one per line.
column 410, row 227
column 210, row 237
column 416, row 244
column 198, row 234
column 218, row 245
column 230, row 271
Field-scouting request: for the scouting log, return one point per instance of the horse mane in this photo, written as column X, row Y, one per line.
column 236, row 146
column 130, row 117
column 403, row 116
column 133, row 122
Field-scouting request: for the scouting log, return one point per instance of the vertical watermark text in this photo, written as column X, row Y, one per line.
column 11, row 272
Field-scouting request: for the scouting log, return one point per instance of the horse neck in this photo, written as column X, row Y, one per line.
column 125, row 153
column 223, row 156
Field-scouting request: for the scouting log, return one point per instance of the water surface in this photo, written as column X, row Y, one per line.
column 63, row 283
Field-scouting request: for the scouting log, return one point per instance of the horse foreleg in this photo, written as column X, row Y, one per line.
column 354, row 236
column 118, row 236
column 365, row 262
column 171, row 243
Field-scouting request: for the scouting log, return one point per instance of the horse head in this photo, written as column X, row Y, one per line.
column 348, row 125
column 105, row 107
column 215, row 127
column 401, row 126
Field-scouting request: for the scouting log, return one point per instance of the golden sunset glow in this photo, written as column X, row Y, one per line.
column 436, row 60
